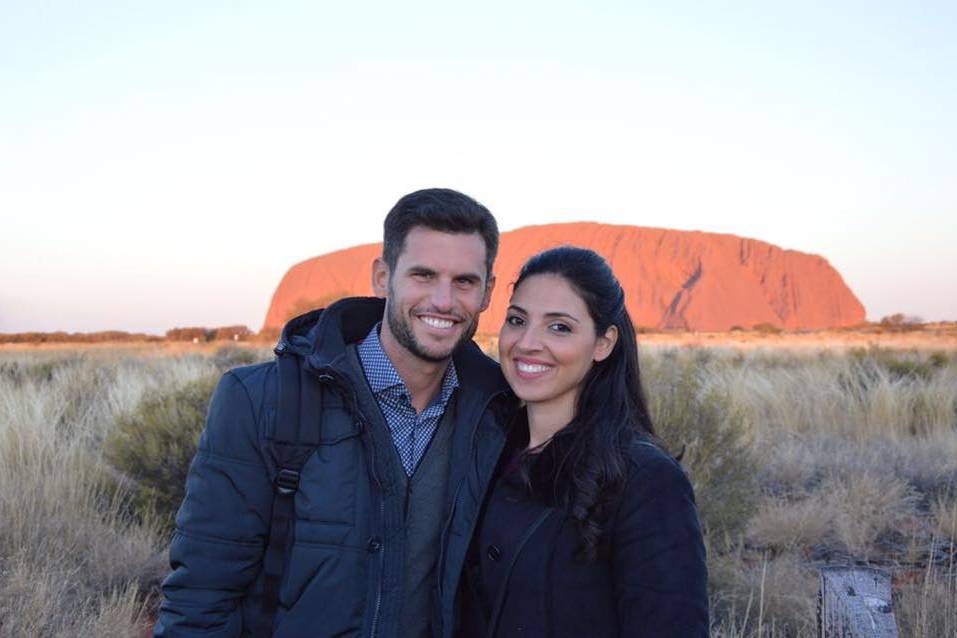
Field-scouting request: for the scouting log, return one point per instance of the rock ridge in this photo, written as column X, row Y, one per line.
column 673, row 279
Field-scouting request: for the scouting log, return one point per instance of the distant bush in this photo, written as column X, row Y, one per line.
column 195, row 333
column 767, row 328
column 231, row 333
column 77, row 337
column 155, row 443
column 899, row 322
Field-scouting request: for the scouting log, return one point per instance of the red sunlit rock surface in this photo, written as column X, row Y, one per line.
column 672, row 279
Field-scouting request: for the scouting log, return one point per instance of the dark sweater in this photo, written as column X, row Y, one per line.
column 425, row 512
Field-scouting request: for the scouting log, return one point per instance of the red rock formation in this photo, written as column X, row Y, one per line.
column 672, row 279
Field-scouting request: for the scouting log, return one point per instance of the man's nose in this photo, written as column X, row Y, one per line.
column 442, row 296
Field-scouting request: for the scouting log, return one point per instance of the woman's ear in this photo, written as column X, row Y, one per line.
column 605, row 344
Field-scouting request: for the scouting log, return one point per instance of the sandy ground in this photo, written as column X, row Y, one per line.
column 931, row 337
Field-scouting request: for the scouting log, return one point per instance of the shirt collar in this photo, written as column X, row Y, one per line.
column 381, row 374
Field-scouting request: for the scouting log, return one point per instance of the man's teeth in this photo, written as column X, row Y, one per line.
column 437, row 323
column 531, row 367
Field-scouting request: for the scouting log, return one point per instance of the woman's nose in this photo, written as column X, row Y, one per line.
column 529, row 340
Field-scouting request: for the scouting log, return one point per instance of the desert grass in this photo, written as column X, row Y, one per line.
column 72, row 559
column 855, row 462
column 799, row 458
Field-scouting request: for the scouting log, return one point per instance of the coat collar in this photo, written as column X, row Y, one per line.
column 321, row 337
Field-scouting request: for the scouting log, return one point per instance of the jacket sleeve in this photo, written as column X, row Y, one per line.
column 222, row 524
column 660, row 573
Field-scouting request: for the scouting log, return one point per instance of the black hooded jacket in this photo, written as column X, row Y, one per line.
column 344, row 571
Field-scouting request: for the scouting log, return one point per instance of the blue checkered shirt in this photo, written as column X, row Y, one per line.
column 411, row 432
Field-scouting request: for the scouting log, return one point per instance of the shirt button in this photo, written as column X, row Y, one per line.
column 494, row 553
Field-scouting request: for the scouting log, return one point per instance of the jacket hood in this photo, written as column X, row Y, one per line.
column 321, row 336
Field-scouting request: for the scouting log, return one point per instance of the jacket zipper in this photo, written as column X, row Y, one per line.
column 346, row 388
column 455, row 501
column 378, row 596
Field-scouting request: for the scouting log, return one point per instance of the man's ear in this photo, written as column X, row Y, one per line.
column 489, row 287
column 606, row 343
column 380, row 277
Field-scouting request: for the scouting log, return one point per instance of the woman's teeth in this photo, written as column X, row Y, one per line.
column 530, row 367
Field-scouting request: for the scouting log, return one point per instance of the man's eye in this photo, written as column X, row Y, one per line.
column 422, row 275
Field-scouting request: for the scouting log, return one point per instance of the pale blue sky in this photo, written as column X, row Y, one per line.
column 163, row 164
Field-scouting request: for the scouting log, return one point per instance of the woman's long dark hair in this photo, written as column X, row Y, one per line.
column 584, row 465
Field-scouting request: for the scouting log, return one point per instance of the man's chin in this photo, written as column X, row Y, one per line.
column 437, row 350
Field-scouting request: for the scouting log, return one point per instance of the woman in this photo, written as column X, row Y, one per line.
column 588, row 527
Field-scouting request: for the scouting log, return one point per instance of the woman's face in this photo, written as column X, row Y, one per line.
column 548, row 344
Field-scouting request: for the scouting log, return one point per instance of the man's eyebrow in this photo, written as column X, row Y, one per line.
column 421, row 269
column 471, row 276
column 549, row 315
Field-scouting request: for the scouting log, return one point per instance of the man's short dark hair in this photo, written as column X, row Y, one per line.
column 441, row 209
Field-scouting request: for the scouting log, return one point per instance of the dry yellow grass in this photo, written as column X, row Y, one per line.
column 853, row 455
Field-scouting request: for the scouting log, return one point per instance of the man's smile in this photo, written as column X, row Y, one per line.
column 439, row 323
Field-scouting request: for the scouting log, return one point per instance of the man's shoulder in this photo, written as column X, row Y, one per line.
column 478, row 372
column 252, row 374
column 256, row 383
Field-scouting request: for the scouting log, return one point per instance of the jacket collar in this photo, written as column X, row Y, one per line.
column 321, row 337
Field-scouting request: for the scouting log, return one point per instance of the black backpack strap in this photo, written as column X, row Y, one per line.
column 298, row 415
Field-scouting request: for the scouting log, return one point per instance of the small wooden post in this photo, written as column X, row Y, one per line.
column 855, row 602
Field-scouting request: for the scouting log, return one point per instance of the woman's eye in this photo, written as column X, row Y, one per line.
column 561, row 327
column 513, row 320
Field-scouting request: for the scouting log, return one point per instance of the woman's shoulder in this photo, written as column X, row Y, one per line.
column 652, row 471
column 645, row 454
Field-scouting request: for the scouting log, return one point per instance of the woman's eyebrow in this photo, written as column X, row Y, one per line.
column 549, row 315
column 561, row 315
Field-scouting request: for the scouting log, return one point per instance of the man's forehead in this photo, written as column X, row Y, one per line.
column 458, row 253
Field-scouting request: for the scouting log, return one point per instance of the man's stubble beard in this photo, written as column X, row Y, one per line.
column 405, row 336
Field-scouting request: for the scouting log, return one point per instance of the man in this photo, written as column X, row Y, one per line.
column 391, row 391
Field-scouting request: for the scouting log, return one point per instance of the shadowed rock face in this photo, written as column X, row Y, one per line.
column 672, row 279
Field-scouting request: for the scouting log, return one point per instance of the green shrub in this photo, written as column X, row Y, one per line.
column 938, row 359
column 155, row 443
column 702, row 425
column 230, row 356
column 901, row 364
column 41, row 371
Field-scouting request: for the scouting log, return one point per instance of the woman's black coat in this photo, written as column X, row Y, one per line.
column 650, row 581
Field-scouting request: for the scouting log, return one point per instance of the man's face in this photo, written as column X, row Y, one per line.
column 435, row 293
